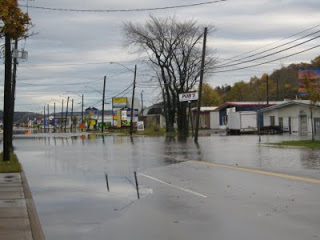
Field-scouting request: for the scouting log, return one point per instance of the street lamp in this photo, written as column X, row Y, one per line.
column 82, row 120
column 133, row 91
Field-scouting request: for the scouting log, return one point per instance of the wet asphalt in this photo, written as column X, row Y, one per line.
column 84, row 187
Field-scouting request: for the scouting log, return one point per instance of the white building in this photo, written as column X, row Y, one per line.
column 293, row 117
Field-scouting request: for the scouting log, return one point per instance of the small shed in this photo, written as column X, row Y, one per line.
column 206, row 118
column 294, row 117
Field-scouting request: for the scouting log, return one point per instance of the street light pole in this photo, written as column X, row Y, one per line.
column 54, row 115
column 132, row 101
column 65, row 124
column 103, row 96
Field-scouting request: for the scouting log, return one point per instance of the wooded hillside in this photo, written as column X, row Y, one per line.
column 283, row 84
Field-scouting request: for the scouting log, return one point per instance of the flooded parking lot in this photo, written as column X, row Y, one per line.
column 84, row 186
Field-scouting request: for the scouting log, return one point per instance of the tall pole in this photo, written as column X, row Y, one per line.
column 142, row 103
column 71, row 114
column 191, row 120
column 200, row 84
column 132, row 101
column 13, row 90
column 48, row 117
column 82, row 111
column 44, row 118
column 65, row 124
column 7, row 99
column 277, row 89
column 267, row 78
column 103, row 96
column 54, row 115
column 61, row 124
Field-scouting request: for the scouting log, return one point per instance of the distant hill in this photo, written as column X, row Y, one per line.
column 283, row 84
column 20, row 117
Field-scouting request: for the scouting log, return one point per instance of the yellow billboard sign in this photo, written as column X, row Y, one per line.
column 120, row 102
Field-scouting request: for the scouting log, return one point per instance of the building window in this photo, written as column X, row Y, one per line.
column 272, row 121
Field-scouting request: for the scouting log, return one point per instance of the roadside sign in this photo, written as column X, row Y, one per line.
column 140, row 126
column 188, row 96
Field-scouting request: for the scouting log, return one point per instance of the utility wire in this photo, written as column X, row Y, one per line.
column 293, row 35
column 126, row 91
column 57, row 84
column 70, row 64
column 268, row 55
column 267, row 61
column 259, row 53
column 124, row 10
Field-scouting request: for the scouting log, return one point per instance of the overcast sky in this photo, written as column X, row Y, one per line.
column 72, row 51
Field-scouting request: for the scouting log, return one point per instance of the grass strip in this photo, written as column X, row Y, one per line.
column 11, row 166
column 305, row 143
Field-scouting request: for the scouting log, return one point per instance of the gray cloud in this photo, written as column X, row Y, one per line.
column 74, row 37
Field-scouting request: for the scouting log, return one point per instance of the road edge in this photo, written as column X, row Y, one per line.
column 36, row 229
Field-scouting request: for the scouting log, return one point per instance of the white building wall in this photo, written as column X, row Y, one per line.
column 292, row 112
column 214, row 120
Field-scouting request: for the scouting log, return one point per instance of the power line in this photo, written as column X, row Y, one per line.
column 268, row 55
column 259, row 53
column 69, row 84
column 124, row 10
column 57, row 84
column 235, row 69
column 293, row 35
column 71, row 64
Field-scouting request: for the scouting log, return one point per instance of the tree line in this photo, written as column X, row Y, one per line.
column 283, row 84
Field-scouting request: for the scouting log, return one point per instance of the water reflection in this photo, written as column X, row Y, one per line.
column 310, row 159
column 89, row 177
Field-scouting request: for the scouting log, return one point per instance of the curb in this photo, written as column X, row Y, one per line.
column 35, row 225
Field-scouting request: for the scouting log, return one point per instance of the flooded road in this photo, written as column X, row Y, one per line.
column 84, row 187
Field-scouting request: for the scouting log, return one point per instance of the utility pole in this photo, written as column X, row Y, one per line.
column 132, row 101
column 48, row 118
column 13, row 90
column 61, row 115
column 267, row 79
column 72, row 115
column 44, row 118
column 7, row 99
column 54, row 115
column 200, row 84
column 65, row 124
column 191, row 119
column 103, row 96
column 277, row 89
column 82, row 111
column 142, row 103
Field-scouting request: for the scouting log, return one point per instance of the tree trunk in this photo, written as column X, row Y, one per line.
column 183, row 128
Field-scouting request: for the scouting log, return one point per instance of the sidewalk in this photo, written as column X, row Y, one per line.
column 18, row 216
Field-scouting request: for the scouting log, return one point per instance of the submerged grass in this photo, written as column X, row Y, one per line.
column 304, row 143
column 11, row 166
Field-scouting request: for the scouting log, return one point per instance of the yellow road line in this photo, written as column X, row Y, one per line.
column 251, row 170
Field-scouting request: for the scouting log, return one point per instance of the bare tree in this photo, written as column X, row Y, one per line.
column 173, row 49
